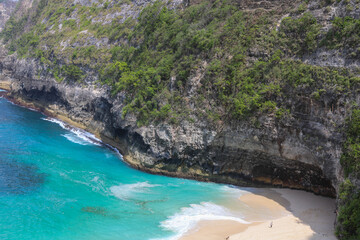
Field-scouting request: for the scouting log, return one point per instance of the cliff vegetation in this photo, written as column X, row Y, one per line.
column 248, row 63
column 349, row 194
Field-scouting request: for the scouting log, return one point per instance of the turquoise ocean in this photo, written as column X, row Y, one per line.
column 58, row 182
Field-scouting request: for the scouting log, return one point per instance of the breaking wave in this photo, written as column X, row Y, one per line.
column 128, row 191
column 77, row 135
column 185, row 220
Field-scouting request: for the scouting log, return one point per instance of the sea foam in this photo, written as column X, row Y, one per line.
column 77, row 135
column 234, row 191
column 188, row 217
column 75, row 139
column 127, row 191
column 62, row 124
column 114, row 149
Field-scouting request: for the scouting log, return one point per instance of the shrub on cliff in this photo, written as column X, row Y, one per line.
column 348, row 220
column 345, row 32
column 349, row 194
column 350, row 159
column 300, row 35
column 72, row 72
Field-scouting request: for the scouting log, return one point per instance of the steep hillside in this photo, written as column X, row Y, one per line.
column 242, row 92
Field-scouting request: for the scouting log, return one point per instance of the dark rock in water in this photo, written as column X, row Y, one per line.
column 99, row 211
column 19, row 178
column 96, row 210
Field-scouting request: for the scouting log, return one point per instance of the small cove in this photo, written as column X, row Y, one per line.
column 59, row 183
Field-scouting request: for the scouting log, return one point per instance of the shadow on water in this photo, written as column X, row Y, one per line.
column 18, row 178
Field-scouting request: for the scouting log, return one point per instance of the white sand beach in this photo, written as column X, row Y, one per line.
column 275, row 214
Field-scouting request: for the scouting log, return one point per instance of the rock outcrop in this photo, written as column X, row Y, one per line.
column 6, row 9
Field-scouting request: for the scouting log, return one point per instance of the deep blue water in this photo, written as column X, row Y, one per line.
column 58, row 184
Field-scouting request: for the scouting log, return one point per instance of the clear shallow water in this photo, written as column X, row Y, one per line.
column 62, row 184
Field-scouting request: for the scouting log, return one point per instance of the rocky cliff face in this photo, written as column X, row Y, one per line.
column 6, row 9
column 302, row 152
column 299, row 151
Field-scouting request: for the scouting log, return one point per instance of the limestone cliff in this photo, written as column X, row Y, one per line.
column 301, row 153
column 6, row 9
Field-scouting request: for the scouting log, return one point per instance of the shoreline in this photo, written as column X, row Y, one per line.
column 274, row 214
column 219, row 229
column 126, row 158
column 136, row 152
